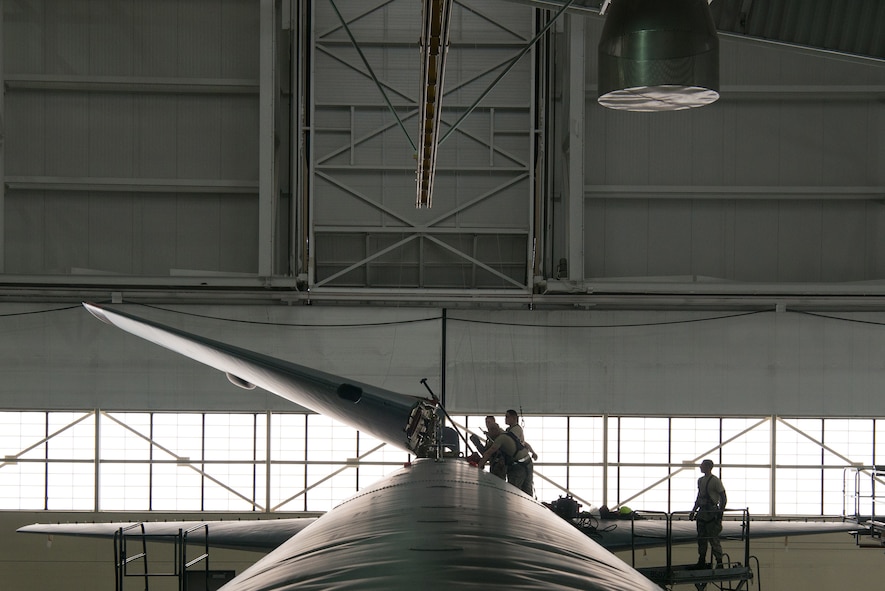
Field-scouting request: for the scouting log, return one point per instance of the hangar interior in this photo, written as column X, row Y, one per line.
column 645, row 288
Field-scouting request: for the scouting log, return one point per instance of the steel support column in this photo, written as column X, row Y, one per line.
column 268, row 184
column 576, row 113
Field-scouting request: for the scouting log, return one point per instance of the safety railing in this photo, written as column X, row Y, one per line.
column 737, row 528
column 124, row 561
column 863, row 490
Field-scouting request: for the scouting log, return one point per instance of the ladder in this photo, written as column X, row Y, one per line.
column 126, row 560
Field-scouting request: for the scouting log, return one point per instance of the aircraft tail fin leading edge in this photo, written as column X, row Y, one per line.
column 394, row 418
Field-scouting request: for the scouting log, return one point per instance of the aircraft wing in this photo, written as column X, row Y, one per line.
column 261, row 535
column 381, row 413
column 622, row 534
column 266, row 534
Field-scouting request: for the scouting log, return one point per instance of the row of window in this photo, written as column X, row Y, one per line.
column 110, row 461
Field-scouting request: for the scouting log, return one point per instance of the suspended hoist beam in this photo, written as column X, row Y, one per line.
column 434, row 46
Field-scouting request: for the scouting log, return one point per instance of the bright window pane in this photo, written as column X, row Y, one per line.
column 126, row 436
column 585, row 483
column 231, row 437
column 851, row 441
column 329, row 440
column 72, row 436
column 71, row 486
column 798, row 442
column 879, row 450
column 748, row 488
column 21, row 430
column 180, row 434
column 288, row 437
column 585, row 440
column 643, row 487
column 23, row 486
column 124, row 487
column 643, row 440
column 288, row 490
column 548, row 436
column 748, row 441
column 684, row 488
column 798, row 491
column 176, row 488
column 693, row 438
column 230, row 488
column 549, row 482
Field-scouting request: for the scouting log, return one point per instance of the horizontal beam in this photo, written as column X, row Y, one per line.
column 129, row 84
column 420, row 230
column 733, row 192
column 130, row 185
column 598, row 295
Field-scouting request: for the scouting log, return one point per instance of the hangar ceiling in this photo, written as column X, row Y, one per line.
column 243, row 150
column 850, row 26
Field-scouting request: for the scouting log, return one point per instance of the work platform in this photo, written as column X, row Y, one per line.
column 864, row 502
column 181, row 565
column 731, row 576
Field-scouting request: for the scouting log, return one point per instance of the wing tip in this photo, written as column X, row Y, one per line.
column 97, row 311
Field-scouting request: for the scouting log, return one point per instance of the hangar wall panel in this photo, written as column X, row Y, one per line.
column 786, row 166
column 678, row 363
column 545, row 362
column 67, row 359
column 118, row 108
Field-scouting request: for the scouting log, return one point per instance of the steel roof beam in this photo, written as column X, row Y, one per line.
column 436, row 16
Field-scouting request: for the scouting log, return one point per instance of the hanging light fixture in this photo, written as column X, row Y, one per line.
column 658, row 55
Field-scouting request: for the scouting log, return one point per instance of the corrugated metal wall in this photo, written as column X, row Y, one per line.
column 781, row 180
column 131, row 136
column 545, row 362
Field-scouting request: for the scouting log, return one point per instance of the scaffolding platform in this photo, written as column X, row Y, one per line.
column 863, row 503
column 182, row 564
column 731, row 576
column 737, row 575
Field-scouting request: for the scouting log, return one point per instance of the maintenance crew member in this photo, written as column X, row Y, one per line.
column 707, row 510
column 515, row 455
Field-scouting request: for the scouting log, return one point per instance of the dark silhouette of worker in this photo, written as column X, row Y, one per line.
column 707, row 512
column 496, row 461
column 515, row 456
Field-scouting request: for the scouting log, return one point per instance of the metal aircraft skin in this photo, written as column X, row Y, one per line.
column 437, row 523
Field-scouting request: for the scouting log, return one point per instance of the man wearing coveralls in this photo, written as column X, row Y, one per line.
column 707, row 510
